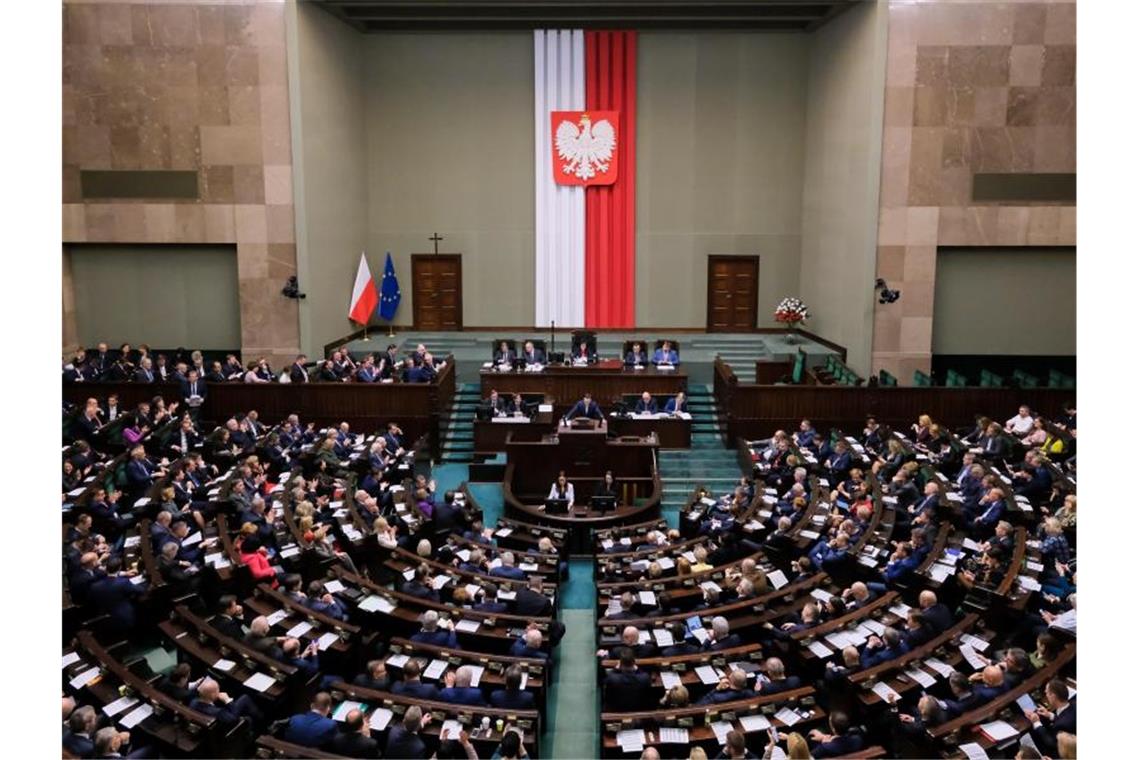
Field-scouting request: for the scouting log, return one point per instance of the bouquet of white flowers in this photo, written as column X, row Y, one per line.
column 791, row 312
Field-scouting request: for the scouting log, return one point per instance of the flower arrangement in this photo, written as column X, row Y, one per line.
column 791, row 312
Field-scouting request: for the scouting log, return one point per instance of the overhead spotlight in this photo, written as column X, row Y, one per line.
column 886, row 295
column 291, row 290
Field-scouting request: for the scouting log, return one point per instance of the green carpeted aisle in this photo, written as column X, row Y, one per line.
column 572, row 706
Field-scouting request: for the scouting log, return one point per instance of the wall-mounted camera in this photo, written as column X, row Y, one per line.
column 291, row 290
column 886, row 295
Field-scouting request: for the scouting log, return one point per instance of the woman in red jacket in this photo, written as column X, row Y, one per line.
column 256, row 558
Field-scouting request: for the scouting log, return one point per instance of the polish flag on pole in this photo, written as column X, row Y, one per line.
column 364, row 298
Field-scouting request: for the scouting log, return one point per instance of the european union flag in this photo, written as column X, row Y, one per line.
column 389, row 292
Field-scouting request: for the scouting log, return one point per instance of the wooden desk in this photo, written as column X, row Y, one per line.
column 580, row 453
column 672, row 432
column 491, row 435
column 607, row 381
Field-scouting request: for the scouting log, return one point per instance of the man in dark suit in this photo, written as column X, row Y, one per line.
column 497, row 404
column 646, row 404
column 1059, row 715
column 775, row 678
column 585, row 407
column 531, row 602
column 313, row 728
column 193, row 391
column 885, row 649
column 507, row 569
column 458, row 689
column 513, row 697
column 228, row 619
column 144, row 374
column 505, row 354
column 403, row 738
column 636, row 356
column 720, row 637
column 841, row 741
column 217, row 704
column 626, row 689
column 732, row 687
column 297, row 372
column 677, row 404
column 666, row 354
column 533, row 355
column 354, row 739
column 78, row 740
column 375, row 676
column 529, row 645
column 626, row 602
column 412, row 685
column 417, row 372
column 431, row 633
column 936, row 614
column 114, row 595
column 446, row 517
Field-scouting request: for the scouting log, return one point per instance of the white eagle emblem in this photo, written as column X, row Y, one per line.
column 588, row 151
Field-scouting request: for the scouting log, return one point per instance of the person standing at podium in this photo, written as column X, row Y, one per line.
column 665, row 354
column 677, row 404
column 636, row 356
column 585, row 407
column 646, row 404
column 562, row 489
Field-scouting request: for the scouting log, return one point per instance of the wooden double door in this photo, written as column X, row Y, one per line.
column 437, row 291
column 732, row 289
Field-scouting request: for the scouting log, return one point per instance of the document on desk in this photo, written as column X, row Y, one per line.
column 998, row 730
column 754, row 723
column 810, row 534
column 822, row 595
column 326, row 640
column 376, row 604
column 631, row 740
column 838, row 639
column 467, row 626
column 136, row 716
column 528, row 567
column 689, row 556
column 901, row 609
column 379, row 719
column 132, row 541
column 504, row 532
column 939, row 667
column 84, row 678
column 397, row 660
column 787, row 716
column 700, row 634
column 435, row 669
column 921, row 677
column 669, row 679
column 119, row 705
column 289, row 551
column 259, row 682
column 224, row 665
column 1025, row 702
column 820, row 650
column 193, row 538
column 333, row 586
column 663, row 637
column 276, row 617
column 874, row 626
column 721, row 728
column 666, row 563
column 300, row 629
column 451, row 728
column 978, row 644
column 344, row 708
column 647, row 598
column 669, row 735
column 643, row 637
column 976, row 662
column 710, row 586
column 707, row 674
column 779, row 580
column 69, row 658
column 440, row 581
column 476, row 674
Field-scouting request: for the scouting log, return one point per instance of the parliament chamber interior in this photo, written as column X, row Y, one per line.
column 503, row 379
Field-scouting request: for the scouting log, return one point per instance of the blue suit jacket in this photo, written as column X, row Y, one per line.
column 651, row 407
column 504, row 699
column 418, row 690
column 993, row 513
column 310, row 729
column 437, row 638
column 513, row 573
column 671, row 406
column 520, row 649
column 80, row 746
column 660, row 357
column 638, row 358
column 469, row 696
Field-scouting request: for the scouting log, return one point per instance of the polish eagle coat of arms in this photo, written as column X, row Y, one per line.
column 585, row 147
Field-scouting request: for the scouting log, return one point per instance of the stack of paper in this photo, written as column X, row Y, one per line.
column 721, row 728
column 674, row 735
column 886, row 693
column 787, row 716
column 119, row 705
column 397, row 660
column 435, row 669
column 326, row 640
column 998, row 730
column 669, row 679
column 921, row 677
column 380, row 719
column 259, row 682
column 136, row 716
column 707, row 674
column 939, row 667
column 631, row 740
column 467, row 626
column 752, row 723
column 973, row 751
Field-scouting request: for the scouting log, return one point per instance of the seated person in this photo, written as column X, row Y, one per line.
column 677, row 404
column 646, row 404
column 843, row 740
column 517, row 406
column 513, row 697
column 530, row 645
column 607, row 486
column 412, row 686
column 458, row 689
column 532, row 355
column 505, row 354
column 497, row 405
column 636, row 357
column 212, row 701
column 354, row 737
column 665, row 354
column 732, row 687
column 583, row 354
column 774, row 679
column 625, row 688
column 507, row 569
column 585, row 407
column 562, row 489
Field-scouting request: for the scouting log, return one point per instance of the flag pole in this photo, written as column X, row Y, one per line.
column 391, row 332
column 366, row 338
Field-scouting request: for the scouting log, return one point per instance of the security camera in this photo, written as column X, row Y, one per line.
column 291, row 290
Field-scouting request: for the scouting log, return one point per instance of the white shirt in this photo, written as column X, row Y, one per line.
column 569, row 492
column 1019, row 425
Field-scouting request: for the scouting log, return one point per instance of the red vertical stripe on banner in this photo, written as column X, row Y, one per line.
column 611, row 84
